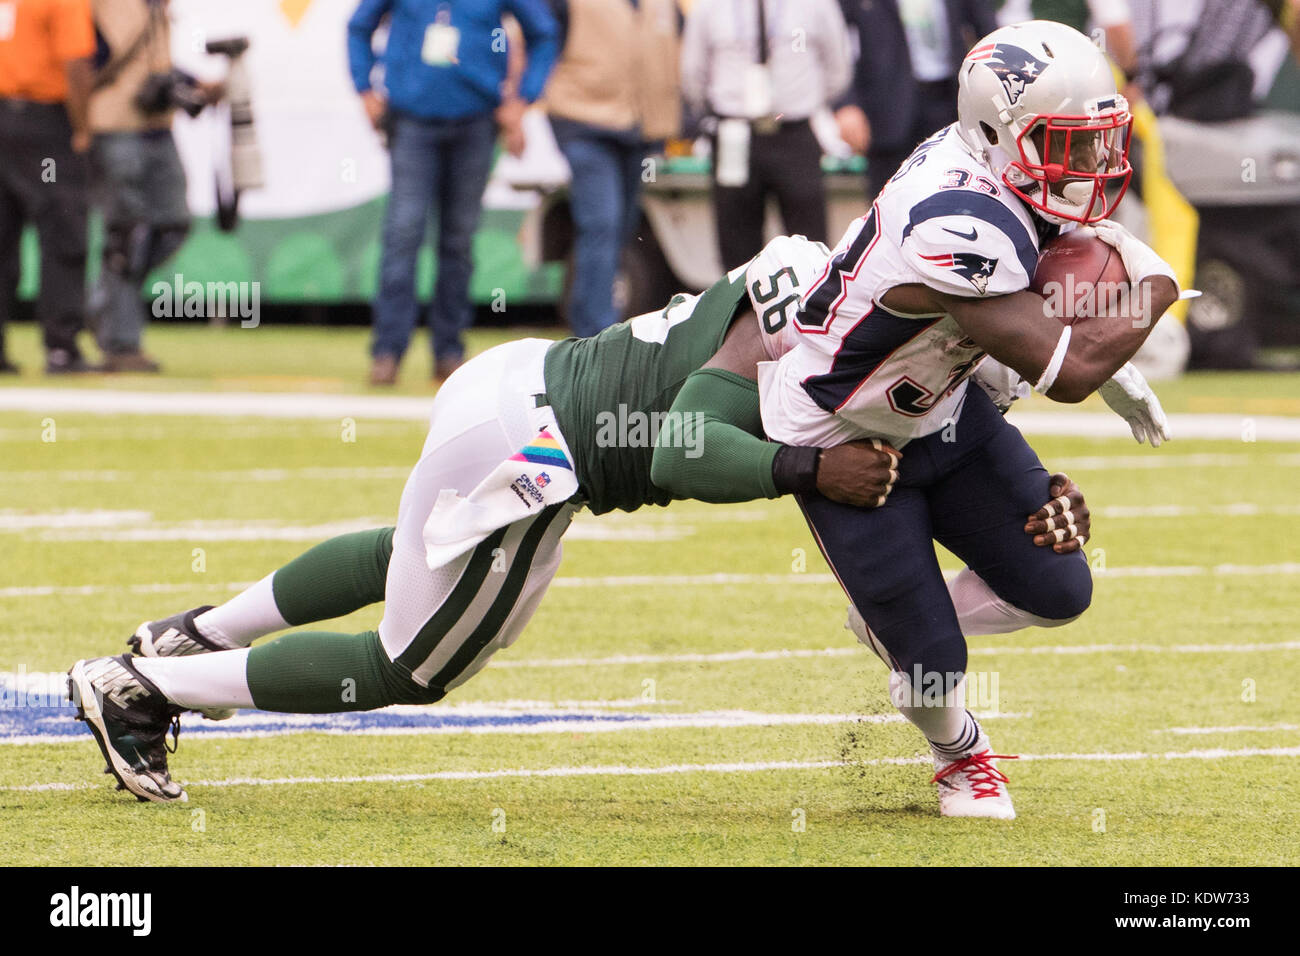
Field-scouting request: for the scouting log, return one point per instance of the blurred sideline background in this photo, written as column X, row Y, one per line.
column 310, row 237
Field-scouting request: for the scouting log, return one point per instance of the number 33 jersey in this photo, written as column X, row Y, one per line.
column 845, row 367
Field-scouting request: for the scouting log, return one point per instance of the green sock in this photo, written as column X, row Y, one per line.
column 337, row 577
column 316, row 672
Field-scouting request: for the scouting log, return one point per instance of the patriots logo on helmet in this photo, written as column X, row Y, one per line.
column 971, row 266
column 1016, row 68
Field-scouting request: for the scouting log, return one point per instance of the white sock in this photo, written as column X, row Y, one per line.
column 201, row 681
column 980, row 611
column 244, row 618
column 946, row 723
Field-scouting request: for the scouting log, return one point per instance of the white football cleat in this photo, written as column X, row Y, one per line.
column 972, row 786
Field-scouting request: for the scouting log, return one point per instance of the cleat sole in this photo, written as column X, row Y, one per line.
column 80, row 691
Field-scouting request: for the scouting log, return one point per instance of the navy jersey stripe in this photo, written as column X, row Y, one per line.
column 819, row 306
column 878, row 335
column 967, row 202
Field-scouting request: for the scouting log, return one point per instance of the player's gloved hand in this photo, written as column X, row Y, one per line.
column 1064, row 522
column 1132, row 399
column 860, row 473
column 1140, row 261
column 1003, row 385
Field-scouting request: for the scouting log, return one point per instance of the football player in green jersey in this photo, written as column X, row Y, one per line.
column 520, row 438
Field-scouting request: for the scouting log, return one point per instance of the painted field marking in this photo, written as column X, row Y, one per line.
column 1182, row 425
column 435, row 722
column 310, row 473
column 725, row 657
column 1158, row 459
column 78, row 590
column 1239, row 729
column 224, row 530
column 1235, row 509
column 623, row 770
column 48, row 401
column 667, row 580
column 34, row 710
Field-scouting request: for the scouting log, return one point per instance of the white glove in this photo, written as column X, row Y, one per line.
column 1002, row 384
column 1140, row 260
column 1131, row 398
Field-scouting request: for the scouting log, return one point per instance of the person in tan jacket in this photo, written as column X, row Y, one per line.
column 613, row 99
column 137, row 169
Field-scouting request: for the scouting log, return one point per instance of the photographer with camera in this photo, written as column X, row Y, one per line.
column 137, row 169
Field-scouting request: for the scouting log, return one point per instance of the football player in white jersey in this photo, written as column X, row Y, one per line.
column 918, row 293
column 536, row 408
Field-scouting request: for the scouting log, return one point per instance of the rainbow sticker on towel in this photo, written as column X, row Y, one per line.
column 543, row 450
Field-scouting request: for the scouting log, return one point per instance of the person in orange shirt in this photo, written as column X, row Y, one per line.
column 45, row 79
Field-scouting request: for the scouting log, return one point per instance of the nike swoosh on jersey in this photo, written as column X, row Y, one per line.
column 972, row 235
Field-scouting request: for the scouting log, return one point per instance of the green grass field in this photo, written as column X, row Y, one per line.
column 1162, row 726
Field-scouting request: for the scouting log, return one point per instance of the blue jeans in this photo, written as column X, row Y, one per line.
column 442, row 164
column 604, row 199
column 141, row 184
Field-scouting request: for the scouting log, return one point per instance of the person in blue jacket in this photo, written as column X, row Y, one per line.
column 439, row 94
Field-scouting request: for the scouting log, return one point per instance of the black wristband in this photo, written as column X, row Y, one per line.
column 794, row 469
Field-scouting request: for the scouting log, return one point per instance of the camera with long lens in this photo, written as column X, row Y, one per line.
column 173, row 89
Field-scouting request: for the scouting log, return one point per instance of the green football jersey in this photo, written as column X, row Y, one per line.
column 611, row 392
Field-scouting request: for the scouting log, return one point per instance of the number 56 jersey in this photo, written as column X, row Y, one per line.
column 852, row 368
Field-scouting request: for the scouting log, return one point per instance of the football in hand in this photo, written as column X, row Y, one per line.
column 1080, row 276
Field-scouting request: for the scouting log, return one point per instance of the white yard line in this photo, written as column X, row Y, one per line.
column 624, row 770
column 282, row 725
column 1234, row 509
column 1186, row 426
column 76, row 590
column 47, row 401
column 1239, row 729
column 378, row 473
column 1071, row 649
column 726, row 657
column 13, row 521
column 612, row 581
column 1161, row 458
column 1196, row 570
column 206, row 531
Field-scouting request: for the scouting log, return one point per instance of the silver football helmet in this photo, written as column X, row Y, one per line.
column 1037, row 104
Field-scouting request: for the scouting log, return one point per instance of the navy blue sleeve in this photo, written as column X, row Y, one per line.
column 361, row 31
column 541, row 39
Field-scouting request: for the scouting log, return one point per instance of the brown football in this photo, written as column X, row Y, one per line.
column 1080, row 276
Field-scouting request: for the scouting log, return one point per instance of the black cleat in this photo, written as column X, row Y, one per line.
column 177, row 636
column 174, row 636
column 130, row 719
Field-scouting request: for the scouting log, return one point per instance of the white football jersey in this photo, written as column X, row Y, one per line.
column 776, row 280
column 850, row 368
